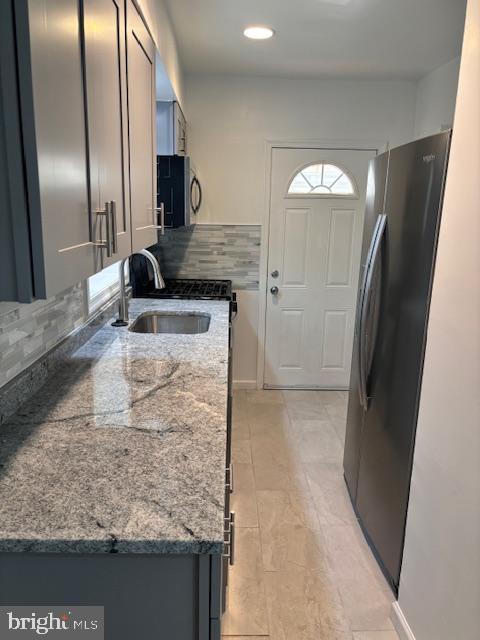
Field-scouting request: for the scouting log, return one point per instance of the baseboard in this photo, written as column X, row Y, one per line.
column 244, row 384
column 400, row 623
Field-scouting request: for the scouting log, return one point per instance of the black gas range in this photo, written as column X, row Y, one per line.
column 187, row 289
column 196, row 289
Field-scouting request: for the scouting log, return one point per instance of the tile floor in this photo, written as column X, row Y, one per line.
column 303, row 570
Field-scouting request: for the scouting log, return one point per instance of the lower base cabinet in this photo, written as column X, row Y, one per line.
column 145, row 596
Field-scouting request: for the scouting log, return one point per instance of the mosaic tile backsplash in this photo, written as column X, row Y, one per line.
column 28, row 331
column 28, row 382
column 226, row 252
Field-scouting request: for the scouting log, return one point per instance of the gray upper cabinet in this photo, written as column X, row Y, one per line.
column 179, row 131
column 142, row 134
column 77, row 142
column 55, row 149
column 105, row 73
column 171, row 129
column 15, row 255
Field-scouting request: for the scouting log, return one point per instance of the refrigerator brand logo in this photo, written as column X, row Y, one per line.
column 22, row 622
column 429, row 158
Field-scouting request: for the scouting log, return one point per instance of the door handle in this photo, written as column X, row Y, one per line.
column 373, row 254
column 113, row 219
column 195, row 186
column 274, row 291
column 229, row 537
column 108, row 242
column 358, row 323
column 229, row 478
column 159, row 210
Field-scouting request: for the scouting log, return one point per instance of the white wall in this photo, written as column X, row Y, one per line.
column 230, row 118
column 157, row 17
column 440, row 580
column 246, row 340
column 435, row 104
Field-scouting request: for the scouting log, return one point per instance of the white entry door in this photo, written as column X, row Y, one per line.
column 316, row 222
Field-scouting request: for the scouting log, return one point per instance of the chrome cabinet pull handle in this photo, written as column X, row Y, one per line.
column 113, row 218
column 275, row 274
column 232, row 537
column 162, row 218
column 108, row 226
column 229, row 478
column 107, row 243
column 160, row 210
column 229, row 541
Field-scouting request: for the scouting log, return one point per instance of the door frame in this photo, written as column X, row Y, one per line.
column 379, row 146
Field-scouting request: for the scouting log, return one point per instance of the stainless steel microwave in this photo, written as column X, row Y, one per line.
column 178, row 191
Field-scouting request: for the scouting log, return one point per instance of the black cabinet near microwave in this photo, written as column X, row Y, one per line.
column 178, row 191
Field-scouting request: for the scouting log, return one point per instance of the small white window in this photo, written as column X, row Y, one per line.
column 103, row 286
column 322, row 179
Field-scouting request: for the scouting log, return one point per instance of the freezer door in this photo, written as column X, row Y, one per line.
column 413, row 201
column 377, row 176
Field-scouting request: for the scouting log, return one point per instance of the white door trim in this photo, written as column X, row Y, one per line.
column 351, row 145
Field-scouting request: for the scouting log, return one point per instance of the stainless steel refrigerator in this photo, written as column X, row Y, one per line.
column 404, row 200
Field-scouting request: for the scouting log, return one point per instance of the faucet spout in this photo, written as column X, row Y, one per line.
column 157, row 274
column 122, row 320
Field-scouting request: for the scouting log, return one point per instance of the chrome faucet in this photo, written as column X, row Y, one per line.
column 122, row 319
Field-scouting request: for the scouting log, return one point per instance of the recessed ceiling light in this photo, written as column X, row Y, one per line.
column 258, row 32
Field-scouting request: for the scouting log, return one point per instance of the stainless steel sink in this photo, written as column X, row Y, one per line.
column 165, row 322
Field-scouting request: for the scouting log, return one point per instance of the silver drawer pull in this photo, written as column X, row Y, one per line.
column 113, row 220
column 232, row 537
column 159, row 210
column 229, row 477
column 229, row 538
column 107, row 244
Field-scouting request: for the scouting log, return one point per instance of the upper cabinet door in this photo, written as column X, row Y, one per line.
column 142, row 134
column 105, row 74
column 77, row 142
column 53, row 115
column 15, row 255
column 180, row 130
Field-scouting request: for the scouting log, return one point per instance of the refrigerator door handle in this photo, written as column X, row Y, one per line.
column 372, row 257
column 358, row 327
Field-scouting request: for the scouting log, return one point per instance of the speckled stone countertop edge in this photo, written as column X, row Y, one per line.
column 101, row 546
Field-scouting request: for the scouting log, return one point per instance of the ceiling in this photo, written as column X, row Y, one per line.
column 318, row 38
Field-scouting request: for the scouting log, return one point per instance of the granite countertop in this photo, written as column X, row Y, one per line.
column 123, row 449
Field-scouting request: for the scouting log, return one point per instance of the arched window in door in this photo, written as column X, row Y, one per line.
column 323, row 179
